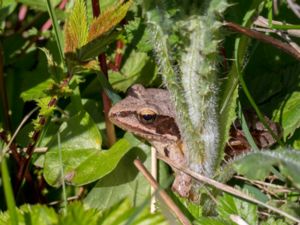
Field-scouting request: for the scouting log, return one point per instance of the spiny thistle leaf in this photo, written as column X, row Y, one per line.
column 76, row 28
column 191, row 75
column 108, row 20
column 286, row 160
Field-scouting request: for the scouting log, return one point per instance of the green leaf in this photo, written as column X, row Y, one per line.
column 8, row 191
column 287, row 161
column 32, row 214
column 122, row 212
column 289, row 114
column 76, row 27
column 54, row 69
column 273, row 221
column 125, row 181
column 38, row 91
column 78, row 214
column 45, row 109
column 138, row 68
column 56, row 29
column 211, row 221
column 107, row 88
column 101, row 32
column 99, row 164
column 95, row 47
column 228, row 205
column 6, row 9
column 80, row 138
column 108, row 20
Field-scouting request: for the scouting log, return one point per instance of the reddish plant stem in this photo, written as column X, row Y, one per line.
column 24, row 163
column 119, row 55
column 3, row 93
column 264, row 38
column 110, row 129
column 12, row 147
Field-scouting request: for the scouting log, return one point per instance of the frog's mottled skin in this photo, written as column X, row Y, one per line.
column 162, row 132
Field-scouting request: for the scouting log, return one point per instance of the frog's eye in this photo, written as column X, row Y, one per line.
column 147, row 115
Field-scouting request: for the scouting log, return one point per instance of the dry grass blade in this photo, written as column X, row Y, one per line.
column 165, row 197
column 264, row 38
column 227, row 189
column 18, row 129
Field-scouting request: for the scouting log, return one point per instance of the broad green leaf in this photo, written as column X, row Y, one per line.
column 125, row 181
column 289, row 114
column 256, row 192
column 138, row 68
column 95, row 47
column 80, row 138
column 6, row 9
column 99, row 164
column 83, row 162
column 37, row 91
column 287, row 161
column 106, row 86
column 4, row 3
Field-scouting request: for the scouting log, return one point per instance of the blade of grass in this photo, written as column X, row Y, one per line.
column 8, row 192
column 64, row 193
column 57, row 31
column 269, row 6
column 246, row 129
column 241, row 46
column 254, row 105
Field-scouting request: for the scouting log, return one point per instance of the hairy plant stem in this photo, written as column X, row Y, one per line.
column 190, row 74
column 110, row 129
column 25, row 161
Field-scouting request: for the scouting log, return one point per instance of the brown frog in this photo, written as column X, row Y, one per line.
column 148, row 113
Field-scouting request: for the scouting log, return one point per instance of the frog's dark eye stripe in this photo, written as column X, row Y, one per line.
column 147, row 115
